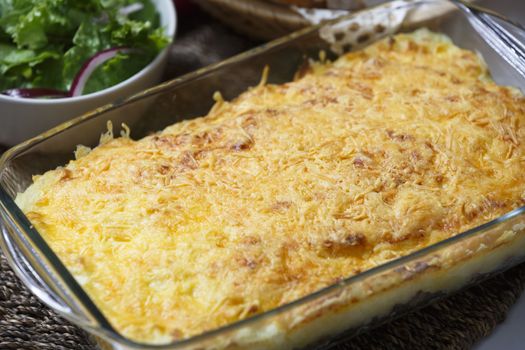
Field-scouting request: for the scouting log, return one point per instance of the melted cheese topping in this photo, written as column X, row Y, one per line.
column 287, row 189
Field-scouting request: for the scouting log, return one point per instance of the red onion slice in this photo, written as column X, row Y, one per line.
column 35, row 93
column 98, row 59
column 79, row 82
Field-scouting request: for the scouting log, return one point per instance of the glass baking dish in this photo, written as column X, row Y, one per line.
column 328, row 315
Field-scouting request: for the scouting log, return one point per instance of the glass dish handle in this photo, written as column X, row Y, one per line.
column 35, row 283
column 485, row 22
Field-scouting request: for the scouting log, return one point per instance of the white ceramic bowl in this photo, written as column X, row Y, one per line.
column 22, row 118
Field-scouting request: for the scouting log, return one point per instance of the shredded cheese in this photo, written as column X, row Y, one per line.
column 286, row 189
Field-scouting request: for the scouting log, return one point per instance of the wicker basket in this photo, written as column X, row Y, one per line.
column 257, row 18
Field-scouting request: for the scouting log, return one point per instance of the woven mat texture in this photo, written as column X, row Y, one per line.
column 456, row 322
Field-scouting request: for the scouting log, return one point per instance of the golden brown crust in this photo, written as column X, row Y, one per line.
column 286, row 189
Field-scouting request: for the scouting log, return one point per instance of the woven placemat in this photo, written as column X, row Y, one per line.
column 456, row 322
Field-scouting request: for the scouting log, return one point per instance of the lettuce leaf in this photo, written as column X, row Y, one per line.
column 43, row 43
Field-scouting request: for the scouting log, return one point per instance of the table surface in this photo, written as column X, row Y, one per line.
column 509, row 335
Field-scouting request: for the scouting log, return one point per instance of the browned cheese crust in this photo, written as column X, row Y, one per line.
column 287, row 189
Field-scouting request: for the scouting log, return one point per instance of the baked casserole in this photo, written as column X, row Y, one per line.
column 286, row 189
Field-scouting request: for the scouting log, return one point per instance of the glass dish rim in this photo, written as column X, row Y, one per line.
column 106, row 329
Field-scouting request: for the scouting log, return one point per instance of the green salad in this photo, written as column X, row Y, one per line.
column 74, row 47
